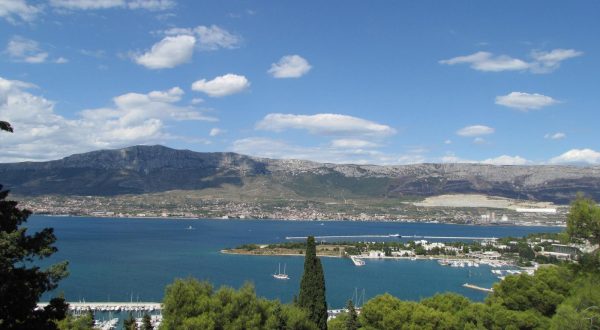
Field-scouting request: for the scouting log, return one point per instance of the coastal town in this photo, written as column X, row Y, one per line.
column 148, row 206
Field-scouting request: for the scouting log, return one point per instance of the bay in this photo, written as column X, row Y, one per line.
column 116, row 259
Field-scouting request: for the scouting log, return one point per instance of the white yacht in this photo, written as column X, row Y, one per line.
column 281, row 276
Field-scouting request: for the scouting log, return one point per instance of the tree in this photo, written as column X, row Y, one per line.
column 129, row 323
column 352, row 320
column 22, row 283
column 83, row 322
column 190, row 304
column 583, row 220
column 147, row 322
column 312, row 286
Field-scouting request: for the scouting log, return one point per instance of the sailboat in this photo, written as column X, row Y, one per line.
column 280, row 275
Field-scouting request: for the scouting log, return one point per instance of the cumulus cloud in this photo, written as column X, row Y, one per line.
column 216, row 131
column 222, row 86
column 541, row 62
column 168, row 53
column 577, row 156
column 549, row 61
column 209, row 37
column 15, row 10
column 352, row 144
column 325, row 124
column 290, row 66
column 41, row 133
column 25, row 50
column 486, row 61
column 525, row 101
column 506, row 160
column 152, row 5
column 500, row 160
column 272, row 148
column 475, row 130
column 555, row 136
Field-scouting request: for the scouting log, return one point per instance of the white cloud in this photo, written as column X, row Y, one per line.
column 525, row 101
column 479, row 140
column 216, row 131
column 542, row 61
column 325, row 124
column 41, row 133
column 168, row 53
column 549, row 61
column 555, row 136
column 290, row 66
column 475, row 130
column 213, row 37
column 61, row 60
column 448, row 141
column 10, row 10
column 197, row 100
column 506, row 160
column 222, row 86
column 152, row 5
column 209, row 37
column 578, row 156
column 352, row 144
column 486, row 61
column 86, row 4
column 25, row 50
column 278, row 149
column 500, row 160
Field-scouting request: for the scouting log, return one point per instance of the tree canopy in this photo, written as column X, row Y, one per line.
column 190, row 304
column 583, row 221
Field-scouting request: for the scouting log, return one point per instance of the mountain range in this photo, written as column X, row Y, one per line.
column 152, row 169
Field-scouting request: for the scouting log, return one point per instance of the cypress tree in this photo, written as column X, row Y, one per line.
column 352, row 320
column 312, row 286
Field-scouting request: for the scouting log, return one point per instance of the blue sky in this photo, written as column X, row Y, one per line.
column 386, row 82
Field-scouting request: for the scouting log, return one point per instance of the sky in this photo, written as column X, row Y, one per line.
column 343, row 81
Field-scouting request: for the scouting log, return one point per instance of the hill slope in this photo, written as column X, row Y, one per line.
column 149, row 169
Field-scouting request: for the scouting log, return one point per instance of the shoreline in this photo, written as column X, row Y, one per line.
column 433, row 222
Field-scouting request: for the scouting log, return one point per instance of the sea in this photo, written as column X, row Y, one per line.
column 127, row 259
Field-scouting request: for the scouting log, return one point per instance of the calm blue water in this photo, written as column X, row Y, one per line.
column 114, row 259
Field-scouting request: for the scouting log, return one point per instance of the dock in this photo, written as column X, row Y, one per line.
column 111, row 306
column 476, row 287
column 357, row 261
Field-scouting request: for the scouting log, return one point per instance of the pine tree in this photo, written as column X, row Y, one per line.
column 21, row 283
column 312, row 286
column 129, row 323
column 352, row 320
column 147, row 322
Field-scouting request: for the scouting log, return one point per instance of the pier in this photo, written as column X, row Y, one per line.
column 469, row 238
column 111, row 306
column 476, row 287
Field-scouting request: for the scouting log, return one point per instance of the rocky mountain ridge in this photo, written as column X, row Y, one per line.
column 148, row 169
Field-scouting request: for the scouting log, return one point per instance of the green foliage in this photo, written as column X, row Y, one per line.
column 352, row 319
column 146, row 322
column 583, row 221
column 83, row 322
column 21, row 283
column 312, row 286
column 129, row 323
column 190, row 304
column 542, row 292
